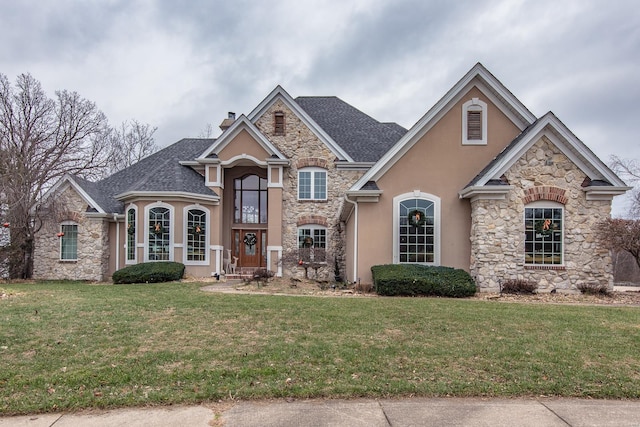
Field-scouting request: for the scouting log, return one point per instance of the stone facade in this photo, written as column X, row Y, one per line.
column 301, row 146
column 93, row 245
column 497, row 231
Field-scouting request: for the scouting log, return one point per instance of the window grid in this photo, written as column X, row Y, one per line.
column 316, row 238
column 131, row 235
column 312, row 185
column 196, row 235
column 417, row 242
column 159, row 234
column 543, row 236
column 250, row 200
column 69, row 242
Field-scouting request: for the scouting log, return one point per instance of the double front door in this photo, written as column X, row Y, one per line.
column 250, row 246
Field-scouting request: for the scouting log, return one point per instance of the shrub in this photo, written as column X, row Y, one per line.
column 261, row 277
column 594, row 289
column 150, row 272
column 518, row 286
column 416, row 279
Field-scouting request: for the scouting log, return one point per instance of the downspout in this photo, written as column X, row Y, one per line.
column 355, row 238
column 115, row 218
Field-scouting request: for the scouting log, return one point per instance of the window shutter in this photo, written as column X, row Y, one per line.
column 474, row 124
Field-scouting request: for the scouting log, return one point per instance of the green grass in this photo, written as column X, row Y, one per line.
column 66, row 346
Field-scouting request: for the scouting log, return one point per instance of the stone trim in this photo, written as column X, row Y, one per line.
column 545, row 192
column 312, row 219
column 311, row 162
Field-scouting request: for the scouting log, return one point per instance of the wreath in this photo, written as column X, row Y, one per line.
column 197, row 230
column 250, row 239
column 416, row 218
column 544, row 227
column 131, row 229
column 157, row 228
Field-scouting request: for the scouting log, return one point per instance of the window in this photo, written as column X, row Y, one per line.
column 543, row 235
column 416, row 230
column 131, row 234
column 312, row 243
column 250, row 194
column 278, row 123
column 196, row 235
column 312, row 184
column 159, row 233
column 474, row 122
column 68, row 241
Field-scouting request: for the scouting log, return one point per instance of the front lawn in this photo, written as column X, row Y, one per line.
column 66, row 346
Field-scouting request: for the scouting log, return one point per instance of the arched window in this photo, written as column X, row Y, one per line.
column 131, row 234
column 196, row 251
column 544, row 233
column 250, row 194
column 417, row 228
column 68, row 241
column 474, row 122
column 159, row 234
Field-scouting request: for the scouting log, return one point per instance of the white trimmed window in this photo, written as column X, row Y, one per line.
column 158, row 226
column 474, row 122
column 417, row 229
column 544, row 234
column 312, row 242
column 68, row 241
column 312, row 184
column 197, row 235
column 131, row 234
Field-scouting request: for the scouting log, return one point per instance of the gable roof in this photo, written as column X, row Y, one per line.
column 479, row 77
column 160, row 172
column 572, row 147
column 280, row 94
column 242, row 123
column 362, row 137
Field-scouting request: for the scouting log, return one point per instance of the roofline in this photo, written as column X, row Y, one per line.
column 422, row 125
column 166, row 195
column 69, row 179
column 279, row 93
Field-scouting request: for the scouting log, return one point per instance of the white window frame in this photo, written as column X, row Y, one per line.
column 63, row 223
column 313, row 171
column 185, row 217
column 135, row 236
column 437, row 219
column 146, row 230
column 544, row 204
column 474, row 104
column 313, row 227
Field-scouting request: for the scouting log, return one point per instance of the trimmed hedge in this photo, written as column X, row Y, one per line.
column 422, row 280
column 150, row 272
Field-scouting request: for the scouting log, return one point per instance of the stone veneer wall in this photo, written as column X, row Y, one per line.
column 303, row 148
column 497, row 231
column 93, row 245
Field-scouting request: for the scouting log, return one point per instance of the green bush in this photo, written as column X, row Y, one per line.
column 150, row 272
column 416, row 280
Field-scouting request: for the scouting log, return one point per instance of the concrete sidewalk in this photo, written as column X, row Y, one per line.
column 362, row 412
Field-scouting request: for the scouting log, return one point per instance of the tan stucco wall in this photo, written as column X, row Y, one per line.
column 437, row 164
column 243, row 143
column 498, row 232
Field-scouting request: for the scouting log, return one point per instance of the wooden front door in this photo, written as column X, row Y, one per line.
column 250, row 248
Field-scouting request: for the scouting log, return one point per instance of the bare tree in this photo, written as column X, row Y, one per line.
column 41, row 140
column 128, row 144
column 629, row 170
column 621, row 235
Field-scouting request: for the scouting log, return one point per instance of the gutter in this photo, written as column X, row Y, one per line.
column 355, row 237
column 115, row 218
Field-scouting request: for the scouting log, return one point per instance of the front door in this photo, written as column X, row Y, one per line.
column 250, row 248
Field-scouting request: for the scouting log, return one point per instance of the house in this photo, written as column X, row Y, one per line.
column 478, row 183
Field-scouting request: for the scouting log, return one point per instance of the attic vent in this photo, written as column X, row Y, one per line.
column 474, row 124
column 278, row 123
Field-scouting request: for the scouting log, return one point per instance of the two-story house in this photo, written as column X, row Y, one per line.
column 478, row 183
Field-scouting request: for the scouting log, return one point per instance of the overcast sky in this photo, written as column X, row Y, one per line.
column 180, row 65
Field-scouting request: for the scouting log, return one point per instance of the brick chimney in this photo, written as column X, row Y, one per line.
column 228, row 121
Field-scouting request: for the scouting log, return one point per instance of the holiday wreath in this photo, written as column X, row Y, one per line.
column 416, row 218
column 544, row 227
column 198, row 229
column 250, row 239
